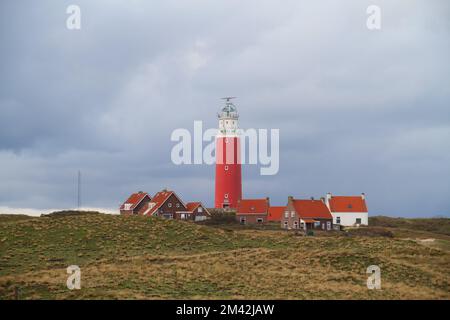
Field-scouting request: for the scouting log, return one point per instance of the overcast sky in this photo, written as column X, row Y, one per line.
column 358, row 110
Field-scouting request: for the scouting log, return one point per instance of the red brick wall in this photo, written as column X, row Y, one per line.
column 251, row 218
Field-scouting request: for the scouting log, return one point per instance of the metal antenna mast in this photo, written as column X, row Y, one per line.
column 79, row 189
column 228, row 98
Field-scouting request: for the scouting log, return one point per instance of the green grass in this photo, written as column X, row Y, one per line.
column 149, row 258
column 434, row 225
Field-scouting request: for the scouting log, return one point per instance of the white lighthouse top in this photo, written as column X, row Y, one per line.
column 228, row 118
column 229, row 111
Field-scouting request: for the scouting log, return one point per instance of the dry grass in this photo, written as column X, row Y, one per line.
column 142, row 258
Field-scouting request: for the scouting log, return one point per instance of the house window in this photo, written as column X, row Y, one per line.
column 169, row 205
column 200, row 209
column 286, row 214
column 338, row 220
column 183, row 216
column 302, row 225
column 127, row 206
column 242, row 220
column 328, row 225
column 177, row 205
column 292, row 214
column 285, row 224
column 358, row 220
column 323, row 226
column 168, row 215
column 316, row 223
column 295, row 224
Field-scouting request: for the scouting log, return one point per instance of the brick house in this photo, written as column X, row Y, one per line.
column 195, row 211
column 137, row 203
column 166, row 204
column 306, row 215
column 275, row 214
column 252, row 211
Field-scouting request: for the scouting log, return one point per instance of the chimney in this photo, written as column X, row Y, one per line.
column 290, row 199
column 327, row 200
column 363, row 196
column 268, row 201
column 322, row 199
column 312, row 198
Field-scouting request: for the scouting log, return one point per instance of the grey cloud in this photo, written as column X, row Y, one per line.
column 358, row 111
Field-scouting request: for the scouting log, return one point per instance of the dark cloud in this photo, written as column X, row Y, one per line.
column 358, row 110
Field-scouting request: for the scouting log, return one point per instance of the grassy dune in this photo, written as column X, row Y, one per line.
column 150, row 258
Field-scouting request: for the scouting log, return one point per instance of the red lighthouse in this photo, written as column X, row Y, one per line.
column 228, row 158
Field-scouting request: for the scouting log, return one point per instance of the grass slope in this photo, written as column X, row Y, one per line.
column 150, row 258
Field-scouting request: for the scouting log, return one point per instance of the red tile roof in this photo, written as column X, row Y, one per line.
column 347, row 204
column 275, row 213
column 191, row 206
column 312, row 209
column 135, row 199
column 252, row 206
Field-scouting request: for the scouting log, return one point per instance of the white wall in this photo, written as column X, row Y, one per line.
column 348, row 219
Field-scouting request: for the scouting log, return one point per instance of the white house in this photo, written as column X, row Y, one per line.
column 348, row 211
